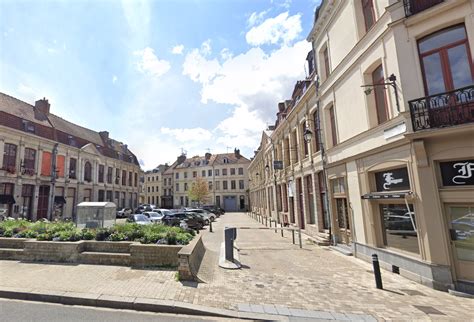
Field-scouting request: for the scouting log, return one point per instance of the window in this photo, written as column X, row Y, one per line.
column 322, row 196
column 446, row 60
column 316, row 133
column 9, row 157
column 241, row 171
column 225, row 160
column 152, row 189
column 71, row 140
column 185, row 186
column 72, row 168
column 305, row 144
column 209, row 173
column 369, row 14
column 148, row 179
column 224, row 172
column 101, row 173
column 332, row 120
column 209, row 185
column 149, row 189
column 379, row 92
column 101, row 195
column 399, row 227
column 177, row 175
column 338, row 185
column 218, row 201
column 326, row 61
column 195, row 174
column 216, row 172
column 241, row 184
column 109, row 174
column 177, row 187
column 124, row 177
column 232, row 171
column 218, row 185
column 224, row 185
column 203, row 173
column 87, row 171
column 117, row 176
column 185, row 175
column 135, row 180
column 29, row 161
column 28, row 126
column 232, row 184
column 130, row 179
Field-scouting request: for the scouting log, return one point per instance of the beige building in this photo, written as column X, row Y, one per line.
column 153, row 185
column 49, row 165
column 390, row 166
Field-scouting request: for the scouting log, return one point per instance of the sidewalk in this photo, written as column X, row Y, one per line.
column 276, row 275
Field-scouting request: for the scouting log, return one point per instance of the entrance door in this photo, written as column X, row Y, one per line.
column 43, row 202
column 299, row 192
column 230, row 203
column 343, row 220
column 461, row 228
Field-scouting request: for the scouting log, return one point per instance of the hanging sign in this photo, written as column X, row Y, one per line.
column 392, row 180
column 457, row 173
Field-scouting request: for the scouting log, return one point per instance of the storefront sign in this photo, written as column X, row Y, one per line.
column 384, row 196
column 392, row 180
column 457, row 173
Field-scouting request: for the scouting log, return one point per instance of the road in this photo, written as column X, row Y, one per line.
column 14, row 310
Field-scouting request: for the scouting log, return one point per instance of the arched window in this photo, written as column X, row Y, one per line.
column 87, row 171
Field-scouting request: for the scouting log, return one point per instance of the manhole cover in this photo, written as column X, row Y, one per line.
column 428, row 309
column 412, row 292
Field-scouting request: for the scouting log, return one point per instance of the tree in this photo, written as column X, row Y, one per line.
column 199, row 191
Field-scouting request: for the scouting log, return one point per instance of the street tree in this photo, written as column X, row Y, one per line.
column 199, row 191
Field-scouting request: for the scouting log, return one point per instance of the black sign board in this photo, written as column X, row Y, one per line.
column 384, row 196
column 457, row 173
column 278, row 165
column 392, row 180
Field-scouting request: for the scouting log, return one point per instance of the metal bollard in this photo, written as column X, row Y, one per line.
column 293, row 235
column 230, row 234
column 377, row 274
column 281, row 224
column 210, row 225
column 299, row 237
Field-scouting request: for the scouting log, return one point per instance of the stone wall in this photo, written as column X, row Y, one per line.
column 190, row 258
column 154, row 255
column 43, row 251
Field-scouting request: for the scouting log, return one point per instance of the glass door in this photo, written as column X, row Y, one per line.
column 461, row 231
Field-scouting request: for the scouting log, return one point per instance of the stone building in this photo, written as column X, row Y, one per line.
column 389, row 168
column 153, row 185
column 49, row 165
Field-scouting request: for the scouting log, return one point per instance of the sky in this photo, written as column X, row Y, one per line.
column 162, row 76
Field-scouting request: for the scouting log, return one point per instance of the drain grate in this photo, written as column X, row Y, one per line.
column 412, row 292
column 428, row 310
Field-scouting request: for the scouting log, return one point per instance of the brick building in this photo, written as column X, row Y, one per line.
column 49, row 165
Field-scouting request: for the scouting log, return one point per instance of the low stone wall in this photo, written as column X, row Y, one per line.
column 154, row 255
column 106, row 246
column 44, row 251
column 16, row 243
column 190, row 258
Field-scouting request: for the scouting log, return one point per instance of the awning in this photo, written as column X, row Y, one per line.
column 382, row 195
column 7, row 199
column 59, row 200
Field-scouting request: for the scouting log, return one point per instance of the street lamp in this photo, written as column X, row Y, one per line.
column 308, row 135
column 392, row 82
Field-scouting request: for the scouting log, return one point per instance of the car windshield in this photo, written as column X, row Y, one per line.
column 141, row 218
column 155, row 215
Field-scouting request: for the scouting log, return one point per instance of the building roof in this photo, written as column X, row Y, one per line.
column 24, row 111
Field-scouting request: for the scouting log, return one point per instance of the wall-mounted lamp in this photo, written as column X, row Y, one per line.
column 392, row 81
column 308, row 135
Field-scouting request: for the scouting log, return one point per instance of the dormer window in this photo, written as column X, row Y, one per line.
column 225, row 160
column 71, row 140
column 197, row 163
column 28, row 126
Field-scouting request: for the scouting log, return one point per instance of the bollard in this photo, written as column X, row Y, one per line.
column 210, row 226
column 230, row 234
column 377, row 274
column 299, row 237
column 276, row 227
column 293, row 235
column 281, row 224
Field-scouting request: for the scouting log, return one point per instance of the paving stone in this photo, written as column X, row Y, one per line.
column 282, row 310
column 340, row 316
column 257, row 308
column 270, row 309
column 244, row 307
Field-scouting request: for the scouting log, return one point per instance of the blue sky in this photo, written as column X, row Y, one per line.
column 160, row 76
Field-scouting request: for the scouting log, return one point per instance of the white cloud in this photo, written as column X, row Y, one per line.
column 206, row 47
column 280, row 29
column 185, row 135
column 114, row 79
column 256, row 18
column 178, row 49
column 226, row 54
column 149, row 64
column 254, row 79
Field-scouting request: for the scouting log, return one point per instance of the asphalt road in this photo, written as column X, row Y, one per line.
column 24, row 311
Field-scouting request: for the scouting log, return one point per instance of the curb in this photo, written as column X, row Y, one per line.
column 127, row 303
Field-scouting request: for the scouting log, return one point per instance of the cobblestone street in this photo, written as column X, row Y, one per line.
column 275, row 272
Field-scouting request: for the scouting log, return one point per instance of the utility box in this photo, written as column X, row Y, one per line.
column 230, row 234
column 95, row 214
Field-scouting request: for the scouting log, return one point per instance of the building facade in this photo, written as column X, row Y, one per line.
column 389, row 168
column 153, row 185
column 49, row 165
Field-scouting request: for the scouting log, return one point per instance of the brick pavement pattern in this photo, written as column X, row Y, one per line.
column 275, row 274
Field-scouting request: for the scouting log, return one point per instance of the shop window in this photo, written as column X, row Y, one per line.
column 342, row 213
column 461, row 219
column 399, row 227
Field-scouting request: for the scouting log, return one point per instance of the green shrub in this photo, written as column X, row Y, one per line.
column 87, row 234
column 117, row 237
column 102, row 234
column 45, row 236
column 171, row 237
column 68, row 235
column 8, row 233
column 183, row 238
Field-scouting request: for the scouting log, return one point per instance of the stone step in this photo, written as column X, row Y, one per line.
column 11, row 253
column 103, row 258
column 318, row 240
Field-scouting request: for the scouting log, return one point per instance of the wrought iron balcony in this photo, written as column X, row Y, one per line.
column 415, row 6
column 443, row 110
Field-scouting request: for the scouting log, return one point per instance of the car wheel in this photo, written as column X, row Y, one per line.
column 207, row 222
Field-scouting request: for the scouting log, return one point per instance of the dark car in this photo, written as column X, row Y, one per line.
column 174, row 219
column 209, row 215
column 195, row 220
column 214, row 209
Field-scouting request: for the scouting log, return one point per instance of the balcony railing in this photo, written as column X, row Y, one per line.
column 443, row 110
column 415, row 6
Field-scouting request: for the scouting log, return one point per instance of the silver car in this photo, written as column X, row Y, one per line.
column 155, row 217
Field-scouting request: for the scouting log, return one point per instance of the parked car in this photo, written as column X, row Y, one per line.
column 124, row 213
column 175, row 219
column 214, row 209
column 162, row 211
column 198, row 220
column 211, row 216
column 155, row 217
column 139, row 219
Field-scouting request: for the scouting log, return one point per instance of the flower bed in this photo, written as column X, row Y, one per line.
column 67, row 231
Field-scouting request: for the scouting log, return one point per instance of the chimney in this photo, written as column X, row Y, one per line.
column 43, row 106
column 237, row 153
column 181, row 158
column 104, row 135
column 208, row 156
